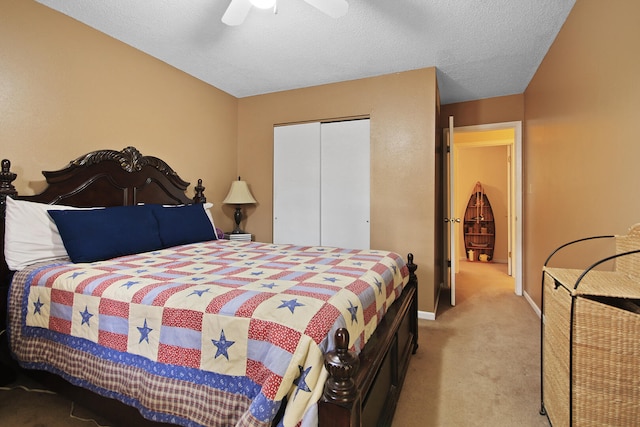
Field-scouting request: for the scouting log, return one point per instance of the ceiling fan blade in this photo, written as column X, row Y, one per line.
column 236, row 12
column 333, row 8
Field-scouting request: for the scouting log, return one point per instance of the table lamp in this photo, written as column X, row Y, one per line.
column 239, row 195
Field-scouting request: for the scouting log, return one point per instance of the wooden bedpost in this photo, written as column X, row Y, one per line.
column 342, row 365
column 6, row 186
column 199, row 197
column 412, row 267
column 6, row 189
column 340, row 390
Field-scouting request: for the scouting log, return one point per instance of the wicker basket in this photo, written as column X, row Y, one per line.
column 591, row 341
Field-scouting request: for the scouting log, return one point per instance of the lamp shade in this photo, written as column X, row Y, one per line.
column 239, row 194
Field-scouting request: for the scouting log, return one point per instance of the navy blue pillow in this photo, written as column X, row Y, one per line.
column 180, row 225
column 99, row 234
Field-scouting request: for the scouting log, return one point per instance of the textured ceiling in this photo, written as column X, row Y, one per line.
column 481, row 48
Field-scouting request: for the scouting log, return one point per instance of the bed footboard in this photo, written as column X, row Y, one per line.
column 364, row 390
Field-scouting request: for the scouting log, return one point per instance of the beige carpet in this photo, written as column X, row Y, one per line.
column 26, row 403
column 478, row 363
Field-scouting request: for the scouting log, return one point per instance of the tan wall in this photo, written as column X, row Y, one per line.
column 581, row 134
column 402, row 108
column 66, row 89
column 484, row 111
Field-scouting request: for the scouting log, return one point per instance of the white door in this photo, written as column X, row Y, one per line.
column 296, row 184
column 510, row 215
column 345, row 184
column 451, row 220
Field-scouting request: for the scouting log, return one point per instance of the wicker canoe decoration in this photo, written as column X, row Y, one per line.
column 479, row 226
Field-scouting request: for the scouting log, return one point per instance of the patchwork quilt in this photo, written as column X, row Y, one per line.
column 213, row 333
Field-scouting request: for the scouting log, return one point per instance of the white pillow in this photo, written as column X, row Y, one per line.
column 30, row 234
column 206, row 207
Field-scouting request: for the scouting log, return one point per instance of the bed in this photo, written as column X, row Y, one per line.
column 119, row 319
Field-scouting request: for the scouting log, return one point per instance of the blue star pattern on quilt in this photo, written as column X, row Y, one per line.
column 353, row 309
column 378, row 284
column 37, row 306
column 301, row 380
column 144, row 332
column 223, row 345
column 291, row 304
column 199, row 292
column 86, row 316
column 130, row 283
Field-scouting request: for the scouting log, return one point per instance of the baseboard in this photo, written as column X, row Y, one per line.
column 426, row 315
column 495, row 261
column 532, row 304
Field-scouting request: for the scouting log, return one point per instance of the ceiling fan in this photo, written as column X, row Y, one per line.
column 239, row 9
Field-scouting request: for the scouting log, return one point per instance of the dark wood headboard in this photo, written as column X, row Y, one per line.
column 102, row 178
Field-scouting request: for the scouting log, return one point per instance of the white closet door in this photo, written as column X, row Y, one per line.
column 296, row 184
column 345, row 184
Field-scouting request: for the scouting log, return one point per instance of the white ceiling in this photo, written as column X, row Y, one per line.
column 481, row 48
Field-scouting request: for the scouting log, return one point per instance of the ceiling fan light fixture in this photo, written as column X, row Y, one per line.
column 263, row 4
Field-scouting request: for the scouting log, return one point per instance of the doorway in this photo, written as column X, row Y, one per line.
column 506, row 140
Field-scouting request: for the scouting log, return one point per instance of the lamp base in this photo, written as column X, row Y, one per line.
column 237, row 216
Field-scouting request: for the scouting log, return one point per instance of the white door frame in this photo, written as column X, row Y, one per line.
column 515, row 174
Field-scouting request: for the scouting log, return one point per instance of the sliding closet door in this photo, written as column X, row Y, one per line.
column 296, row 184
column 345, row 183
column 321, row 179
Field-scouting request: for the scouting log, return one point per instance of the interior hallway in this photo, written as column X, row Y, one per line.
column 478, row 362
